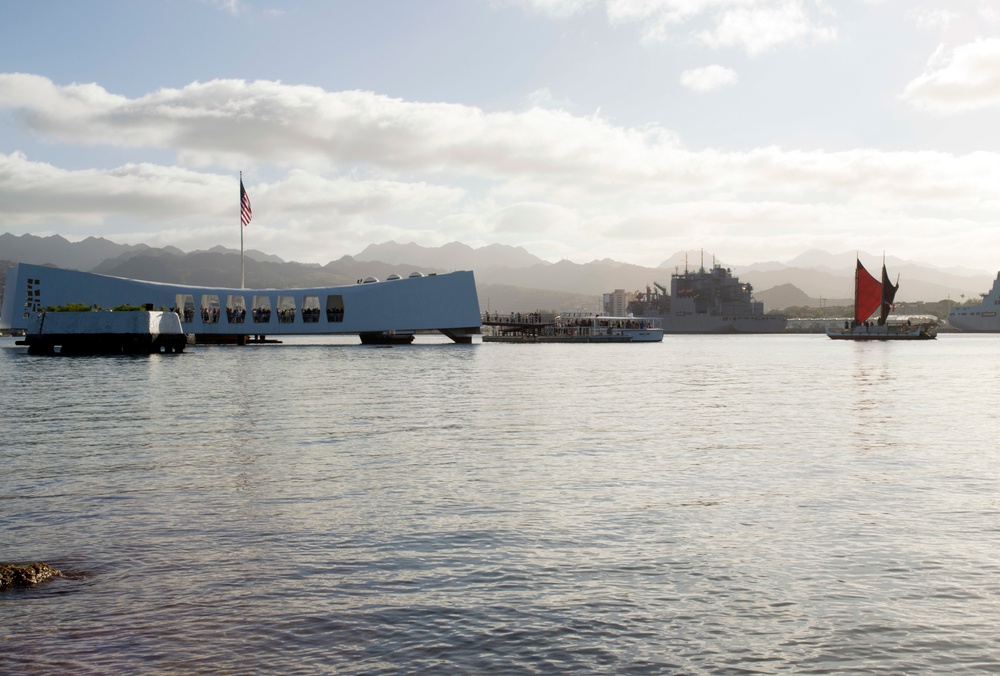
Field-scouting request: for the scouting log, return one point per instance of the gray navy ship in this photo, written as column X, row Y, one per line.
column 706, row 301
column 982, row 318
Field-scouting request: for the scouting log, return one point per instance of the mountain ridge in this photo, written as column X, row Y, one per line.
column 815, row 276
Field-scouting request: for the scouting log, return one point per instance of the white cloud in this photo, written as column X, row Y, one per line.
column 232, row 123
column 543, row 98
column 150, row 191
column 33, row 192
column 656, row 17
column 559, row 9
column 932, row 18
column 708, row 78
column 763, row 27
column 356, row 167
column 532, row 218
column 756, row 26
column 967, row 78
column 231, row 6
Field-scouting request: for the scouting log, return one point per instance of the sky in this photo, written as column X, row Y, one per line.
column 577, row 129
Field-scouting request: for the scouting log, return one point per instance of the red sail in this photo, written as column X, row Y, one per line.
column 867, row 294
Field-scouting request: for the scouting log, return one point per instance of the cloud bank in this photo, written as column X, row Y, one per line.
column 963, row 79
column 330, row 172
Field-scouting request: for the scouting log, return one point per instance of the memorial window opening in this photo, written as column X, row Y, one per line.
column 184, row 307
column 32, row 302
column 261, row 309
column 236, row 309
column 310, row 309
column 335, row 308
column 286, row 309
column 210, row 308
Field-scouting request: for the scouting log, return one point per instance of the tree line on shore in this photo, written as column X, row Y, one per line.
column 939, row 309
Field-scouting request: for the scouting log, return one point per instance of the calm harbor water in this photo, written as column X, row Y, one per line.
column 704, row 505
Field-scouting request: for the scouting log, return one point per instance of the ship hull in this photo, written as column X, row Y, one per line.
column 976, row 324
column 982, row 318
column 880, row 333
column 710, row 324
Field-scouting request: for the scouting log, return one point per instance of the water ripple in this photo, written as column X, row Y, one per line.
column 707, row 505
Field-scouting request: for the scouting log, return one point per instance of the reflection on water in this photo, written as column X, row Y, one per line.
column 873, row 392
column 771, row 503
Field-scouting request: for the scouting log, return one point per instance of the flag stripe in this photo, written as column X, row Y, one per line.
column 246, row 213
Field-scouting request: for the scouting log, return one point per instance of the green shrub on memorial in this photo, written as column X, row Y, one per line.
column 81, row 307
column 73, row 307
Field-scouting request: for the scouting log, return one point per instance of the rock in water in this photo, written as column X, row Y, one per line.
column 12, row 575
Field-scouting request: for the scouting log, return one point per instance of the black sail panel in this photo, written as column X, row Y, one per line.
column 888, row 295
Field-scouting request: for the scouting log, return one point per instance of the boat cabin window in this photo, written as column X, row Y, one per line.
column 335, row 308
column 210, row 308
column 310, row 309
column 261, row 310
column 236, row 309
column 286, row 309
column 184, row 307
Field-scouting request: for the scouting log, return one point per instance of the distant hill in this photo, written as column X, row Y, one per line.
column 505, row 299
column 788, row 295
column 59, row 251
column 822, row 276
column 822, row 260
column 251, row 254
column 916, row 282
column 453, row 256
column 509, row 278
column 206, row 268
column 595, row 278
column 210, row 268
column 216, row 267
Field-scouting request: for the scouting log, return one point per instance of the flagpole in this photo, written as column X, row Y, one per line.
column 243, row 269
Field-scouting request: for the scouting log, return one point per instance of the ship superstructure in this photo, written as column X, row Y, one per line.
column 706, row 301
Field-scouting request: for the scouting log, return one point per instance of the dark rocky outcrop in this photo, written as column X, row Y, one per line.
column 13, row 575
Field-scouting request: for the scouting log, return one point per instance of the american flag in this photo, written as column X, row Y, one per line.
column 246, row 213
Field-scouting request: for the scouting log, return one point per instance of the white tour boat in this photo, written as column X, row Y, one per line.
column 571, row 327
